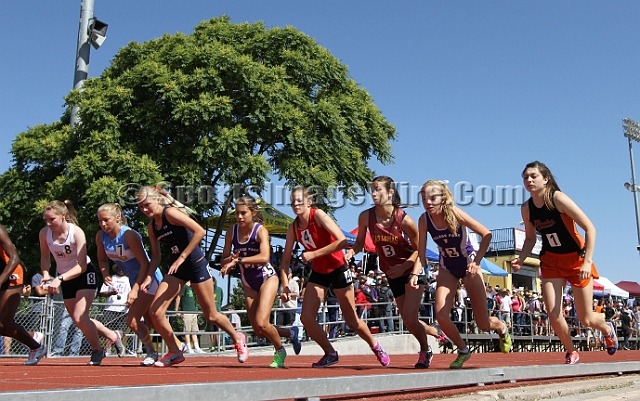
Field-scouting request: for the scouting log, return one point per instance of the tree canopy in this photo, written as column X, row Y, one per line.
column 227, row 104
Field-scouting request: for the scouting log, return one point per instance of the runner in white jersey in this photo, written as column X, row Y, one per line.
column 119, row 243
column 76, row 275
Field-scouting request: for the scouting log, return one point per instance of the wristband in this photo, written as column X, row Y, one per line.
column 413, row 274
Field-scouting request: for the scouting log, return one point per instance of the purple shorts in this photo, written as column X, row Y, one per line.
column 254, row 276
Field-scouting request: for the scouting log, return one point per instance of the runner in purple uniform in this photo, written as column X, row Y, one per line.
column 251, row 251
column 448, row 228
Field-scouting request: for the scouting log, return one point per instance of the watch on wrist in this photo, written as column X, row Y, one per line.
column 240, row 259
column 60, row 278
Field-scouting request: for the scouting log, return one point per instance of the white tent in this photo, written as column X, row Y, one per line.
column 610, row 288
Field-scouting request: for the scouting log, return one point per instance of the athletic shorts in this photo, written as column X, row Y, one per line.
column 196, row 272
column 190, row 322
column 567, row 266
column 397, row 285
column 339, row 278
column 254, row 276
column 16, row 278
column 85, row 281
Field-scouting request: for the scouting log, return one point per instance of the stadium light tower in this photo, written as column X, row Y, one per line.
column 90, row 33
column 632, row 132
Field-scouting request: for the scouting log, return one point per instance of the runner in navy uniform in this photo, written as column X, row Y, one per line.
column 447, row 226
column 251, row 252
column 181, row 236
column 565, row 255
column 395, row 236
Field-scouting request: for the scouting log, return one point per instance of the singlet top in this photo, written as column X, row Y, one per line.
column 314, row 237
column 65, row 254
column 251, row 274
column 391, row 245
column 119, row 252
column 4, row 260
column 558, row 230
column 455, row 250
column 176, row 239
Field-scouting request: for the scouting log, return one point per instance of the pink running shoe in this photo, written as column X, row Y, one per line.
column 381, row 354
column 242, row 349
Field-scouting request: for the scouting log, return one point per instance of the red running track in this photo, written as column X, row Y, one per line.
column 70, row 373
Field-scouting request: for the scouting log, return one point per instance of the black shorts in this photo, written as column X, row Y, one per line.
column 85, row 281
column 339, row 278
column 196, row 272
column 397, row 285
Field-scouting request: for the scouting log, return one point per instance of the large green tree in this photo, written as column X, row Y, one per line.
column 228, row 104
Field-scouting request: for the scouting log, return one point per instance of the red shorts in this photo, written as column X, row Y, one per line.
column 567, row 266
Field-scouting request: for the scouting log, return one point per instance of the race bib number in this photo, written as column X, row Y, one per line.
column 554, row 240
column 388, row 251
column 307, row 240
column 91, row 278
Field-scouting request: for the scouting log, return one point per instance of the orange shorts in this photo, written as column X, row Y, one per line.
column 15, row 279
column 567, row 266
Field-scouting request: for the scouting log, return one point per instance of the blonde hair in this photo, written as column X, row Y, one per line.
column 63, row 208
column 448, row 209
column 165, row 199
column 115, row 210
column 252, row 205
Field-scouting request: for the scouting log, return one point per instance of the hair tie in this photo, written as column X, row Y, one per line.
column 444, row 182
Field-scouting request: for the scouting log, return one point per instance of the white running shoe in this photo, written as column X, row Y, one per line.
column 35, row 355
column 150, row 360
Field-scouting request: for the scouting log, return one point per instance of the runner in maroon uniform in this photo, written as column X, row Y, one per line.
column 323, row 242
column 395, row 236
column 565, row 255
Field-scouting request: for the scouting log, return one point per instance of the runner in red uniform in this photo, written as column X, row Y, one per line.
column 323, row 242
column 395, row 236
column 565, row 255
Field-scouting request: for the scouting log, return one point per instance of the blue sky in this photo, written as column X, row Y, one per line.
column 475, row 89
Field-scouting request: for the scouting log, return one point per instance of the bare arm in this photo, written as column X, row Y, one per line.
column 363, row 224
column 11, row 252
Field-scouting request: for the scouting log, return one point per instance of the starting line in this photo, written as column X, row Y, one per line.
column 313, row 388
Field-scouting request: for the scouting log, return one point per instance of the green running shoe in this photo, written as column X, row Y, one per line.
column 460, row 360
column 278, row 359
column 505, row 341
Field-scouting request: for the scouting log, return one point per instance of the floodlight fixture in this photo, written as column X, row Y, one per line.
column 631, row 129
column 97, row 33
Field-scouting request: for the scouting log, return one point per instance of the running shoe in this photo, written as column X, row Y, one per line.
column 326, row 360
column 278, row 359
column 443, row 339
column 199, row 351
column 35, row 355
column 505, row 340
column 460, row 360
column 611, row 340
column 96, row 357
column 572, row 358
column 424, row 359
column 150, row 360
column 242, row 349
column 295, row 340
column 118, row 343
column 169, row 360
column 183, row 347
column 381, row 354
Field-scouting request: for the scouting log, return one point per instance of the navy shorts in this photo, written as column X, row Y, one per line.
column 196, row 272
column 85, row 281
column 339, row 278
column 397, row 285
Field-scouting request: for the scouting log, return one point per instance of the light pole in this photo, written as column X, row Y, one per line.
column 632, row 132
column 91, row 32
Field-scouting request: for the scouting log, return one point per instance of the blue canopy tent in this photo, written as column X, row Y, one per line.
column 432, row 256
column 492, row 269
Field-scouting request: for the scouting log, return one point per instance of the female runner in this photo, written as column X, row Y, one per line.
column 119, row 243
column 565, row 255
column 448, row 228
column 181, row 236
column 12, row 275
column 76, row 274
column 251, row 251
column 395, row 237
column 323, row 241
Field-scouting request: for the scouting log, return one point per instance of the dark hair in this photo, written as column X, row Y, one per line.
column 252, row 205
column 389, row 184
column 551, row 187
